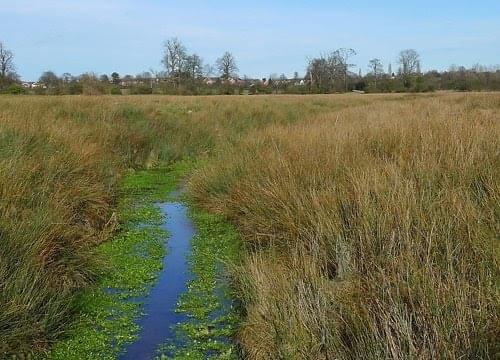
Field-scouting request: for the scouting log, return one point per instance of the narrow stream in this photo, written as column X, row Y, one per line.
column 160, row 305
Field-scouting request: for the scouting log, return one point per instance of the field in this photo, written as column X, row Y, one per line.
column 371, row 223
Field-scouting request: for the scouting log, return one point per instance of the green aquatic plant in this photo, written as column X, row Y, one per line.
column 213, row 315
column 131, row 262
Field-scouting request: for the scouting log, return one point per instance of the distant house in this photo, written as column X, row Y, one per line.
column 210, row 80
column 38, row 85
column 236, row 81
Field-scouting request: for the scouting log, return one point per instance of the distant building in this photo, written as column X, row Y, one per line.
column 210, row 80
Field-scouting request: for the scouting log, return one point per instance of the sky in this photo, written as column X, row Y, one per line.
column 266, row 37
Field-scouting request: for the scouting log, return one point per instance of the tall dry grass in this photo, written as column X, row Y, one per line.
column 59, row 165
column 61, row 159
column 372, row 232
column 372, row 222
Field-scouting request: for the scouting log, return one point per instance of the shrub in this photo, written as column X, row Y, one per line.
column 14, row 89
column 115, row 90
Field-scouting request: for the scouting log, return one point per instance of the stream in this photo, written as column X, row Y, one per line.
column 160, row 305
column 189, row 310
column 165, row 292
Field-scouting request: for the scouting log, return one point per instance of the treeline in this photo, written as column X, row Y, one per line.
column 186, row 73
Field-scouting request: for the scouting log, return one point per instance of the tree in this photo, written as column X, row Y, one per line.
column 409, row 60
column 144, row 76
column 104, row 78
column 115, row 78
column 343, row 55
column 90, row 84
column 194, row 66
column 66, row 77
column 318, row 73
column 49, row 79
column 128, row 79
column 174, row 58
column 323, row 72
column 328, row 70
column 7, row 68
column 376, row 68
column 226, row 65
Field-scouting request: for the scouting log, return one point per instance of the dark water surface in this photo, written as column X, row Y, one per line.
column 159, row 306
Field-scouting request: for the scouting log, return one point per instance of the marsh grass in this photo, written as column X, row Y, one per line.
column 371, row 222
column 61, row 160
column 373, row 232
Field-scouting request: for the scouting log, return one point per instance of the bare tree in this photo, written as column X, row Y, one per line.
column 319, row 73
column 7, row 68
column 376, row 68
column 103, row 78
column 194, row 66
column 409, row 60
column 227, row 65
column 343, row 55
column 174, row 57
column 145, row 75
column 323, row 72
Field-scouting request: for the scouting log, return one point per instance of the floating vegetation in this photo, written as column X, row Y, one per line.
column 131, row 263
column 213, row 315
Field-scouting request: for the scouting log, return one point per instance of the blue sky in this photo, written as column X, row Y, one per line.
column 265, row 36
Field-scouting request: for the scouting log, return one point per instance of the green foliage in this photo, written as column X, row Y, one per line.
column 75, row 88
column 115, row 90
column 14, row 89
column 141, row 90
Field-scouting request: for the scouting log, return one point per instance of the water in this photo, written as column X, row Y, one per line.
column 159, row 307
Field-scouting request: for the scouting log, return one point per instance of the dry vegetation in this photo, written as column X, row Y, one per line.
column 375, row 231
column 60, row 161
column 372, row 222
